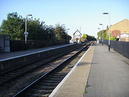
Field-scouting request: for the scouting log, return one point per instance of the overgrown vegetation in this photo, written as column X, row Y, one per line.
column 14, row 26
column 104, row 34
column 86, row 37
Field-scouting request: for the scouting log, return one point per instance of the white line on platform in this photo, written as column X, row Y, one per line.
column 66, row 77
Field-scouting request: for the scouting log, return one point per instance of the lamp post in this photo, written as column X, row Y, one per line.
column 67, row 39
column 98, row 39
column 26, row 33
column 109, row 42
column 101, row 33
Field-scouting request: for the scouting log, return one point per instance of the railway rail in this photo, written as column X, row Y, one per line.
column 47, row 76
column 46, row 84
column 18, row 72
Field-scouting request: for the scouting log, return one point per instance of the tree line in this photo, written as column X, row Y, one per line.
column 103, row 34
column 14, row 26
column 86, row 37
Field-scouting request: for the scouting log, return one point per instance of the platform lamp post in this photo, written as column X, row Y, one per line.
column 98, row 36
column 26, row 33
column 101, row 33
column 67, row 39
column 109, row 42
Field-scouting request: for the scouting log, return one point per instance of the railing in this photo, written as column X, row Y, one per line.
column 18, row 45
column 119, row 46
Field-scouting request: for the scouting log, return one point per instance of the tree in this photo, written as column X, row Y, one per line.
column 104, row 34
column 60, row 33
column 37, row 30
column 91, row 38
column 84, row 37
column 13, row 26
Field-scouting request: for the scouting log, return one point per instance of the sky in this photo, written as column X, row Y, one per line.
column 85, row 15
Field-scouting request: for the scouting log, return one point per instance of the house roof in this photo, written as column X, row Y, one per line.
column 122, row 26
column 77, row 32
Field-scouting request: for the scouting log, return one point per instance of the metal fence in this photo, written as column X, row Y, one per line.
column 119, row 46
column 18, row 45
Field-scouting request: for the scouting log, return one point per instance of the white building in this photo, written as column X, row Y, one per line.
column 77, row 36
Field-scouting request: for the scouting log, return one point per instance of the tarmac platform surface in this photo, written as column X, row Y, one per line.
column 99, row 73
column 109, row 76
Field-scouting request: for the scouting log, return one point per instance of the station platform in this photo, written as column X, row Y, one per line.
column 99, row 73
column 73, row 85
column 10, row 55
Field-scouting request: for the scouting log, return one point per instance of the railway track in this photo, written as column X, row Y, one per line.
column 18, row 72
column 46, row 84
column 27, row 79
column 7, row 77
